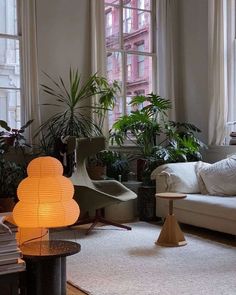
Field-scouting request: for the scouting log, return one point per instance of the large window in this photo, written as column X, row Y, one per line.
column 10, row 73
column 130, row 50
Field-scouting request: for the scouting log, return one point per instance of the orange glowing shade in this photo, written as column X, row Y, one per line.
column 45, row 196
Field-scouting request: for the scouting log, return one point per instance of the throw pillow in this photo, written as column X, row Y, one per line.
column 176, row 177
column 220, row 177
column 201, row 165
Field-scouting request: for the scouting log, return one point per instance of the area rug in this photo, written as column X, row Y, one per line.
column 119, row 262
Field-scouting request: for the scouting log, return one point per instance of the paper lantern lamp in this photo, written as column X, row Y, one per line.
column 45, row 196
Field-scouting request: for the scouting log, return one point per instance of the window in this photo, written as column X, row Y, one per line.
column 127, row 19
column 131, row 48
column 10, row 73
column 141, row 60
column 108, row 23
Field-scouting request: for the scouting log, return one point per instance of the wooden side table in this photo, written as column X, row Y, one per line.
column 46, row 266
column 171, row 234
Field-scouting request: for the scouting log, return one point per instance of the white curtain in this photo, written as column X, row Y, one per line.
column 221, row 35
column 30, row 66
column 98, row 49
column 167, row 61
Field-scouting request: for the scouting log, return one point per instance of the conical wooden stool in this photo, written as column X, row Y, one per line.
column 171, row 234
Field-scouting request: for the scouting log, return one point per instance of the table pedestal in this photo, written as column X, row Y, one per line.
column 46, row 266
column 47, row 276
column 171, row 234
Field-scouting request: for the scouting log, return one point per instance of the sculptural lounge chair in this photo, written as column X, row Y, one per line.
column 92, row 196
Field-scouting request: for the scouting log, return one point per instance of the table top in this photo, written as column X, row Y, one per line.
column 171, row 196
column 49, row 249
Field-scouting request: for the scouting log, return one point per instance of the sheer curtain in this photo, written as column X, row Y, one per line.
column 98, row 49
column 221, row 62
column 30, row 66
column 167, row 62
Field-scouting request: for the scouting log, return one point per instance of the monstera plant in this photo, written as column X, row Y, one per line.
column 158, row 139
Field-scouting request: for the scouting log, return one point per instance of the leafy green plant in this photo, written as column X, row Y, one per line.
column 158, row 139
column 76, row 112
column 10, row 176
column 13, row 136
column 117, row 164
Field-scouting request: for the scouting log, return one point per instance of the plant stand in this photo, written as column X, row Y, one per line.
column 147, row 203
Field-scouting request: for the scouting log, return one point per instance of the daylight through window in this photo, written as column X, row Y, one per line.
column 10, row 73
column 130, row 50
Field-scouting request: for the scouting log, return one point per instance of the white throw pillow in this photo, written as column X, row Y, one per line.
column 201, row 165
column 220, row 177
column 176, row 177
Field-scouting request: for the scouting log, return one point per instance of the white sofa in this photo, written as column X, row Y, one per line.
column 215, row 212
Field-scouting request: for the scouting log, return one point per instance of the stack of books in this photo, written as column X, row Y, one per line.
column 10, row 254
column 233, row 138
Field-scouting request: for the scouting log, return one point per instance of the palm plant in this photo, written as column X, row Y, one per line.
column 75, row 109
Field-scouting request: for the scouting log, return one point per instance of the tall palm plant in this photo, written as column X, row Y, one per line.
column 72, row 100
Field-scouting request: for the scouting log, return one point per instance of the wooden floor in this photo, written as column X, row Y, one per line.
column 73, row 291
column 201, row 232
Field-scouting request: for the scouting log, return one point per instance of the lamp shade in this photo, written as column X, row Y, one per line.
column 45, row 196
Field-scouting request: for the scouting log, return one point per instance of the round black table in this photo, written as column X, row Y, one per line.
column 46, row 266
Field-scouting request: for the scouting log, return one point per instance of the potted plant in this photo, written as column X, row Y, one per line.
column 13, row 136
column 75, row 113
column 158, row 139
column 11, row 174
column 108, row 163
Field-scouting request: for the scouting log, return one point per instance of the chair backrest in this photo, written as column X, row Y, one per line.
column 86, row 147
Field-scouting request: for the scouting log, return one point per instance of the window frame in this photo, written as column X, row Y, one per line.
column 17, row 37
column 124, row 52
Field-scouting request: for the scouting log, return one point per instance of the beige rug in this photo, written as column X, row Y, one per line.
column 119, row 262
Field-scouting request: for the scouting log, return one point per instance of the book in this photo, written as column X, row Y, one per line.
column 9, row 261
column 8, row 243
column 7, row 236
column 6, row 226
column 8, row 249
column 9, row 268
column 10, row 255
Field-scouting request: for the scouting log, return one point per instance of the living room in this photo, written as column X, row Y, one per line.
column 58, row 35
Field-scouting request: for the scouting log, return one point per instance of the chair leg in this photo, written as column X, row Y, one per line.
column 109, row 222
column 98, row 218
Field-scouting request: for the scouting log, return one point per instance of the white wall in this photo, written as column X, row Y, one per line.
column 63, row 29
column 193, row 66
column 64, row 40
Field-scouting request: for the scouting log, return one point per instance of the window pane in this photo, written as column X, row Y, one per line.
column 10, row 107
column 117, row 2
column 112, row 29
column 9, row 63
column 140, row 80
column 136, row 27
column 8, row 17
column 116, row 112
column 142, row 4
column 114, row 67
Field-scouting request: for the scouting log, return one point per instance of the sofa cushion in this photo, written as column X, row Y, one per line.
column 220, row 177
column 223, row 207
column 176, row 177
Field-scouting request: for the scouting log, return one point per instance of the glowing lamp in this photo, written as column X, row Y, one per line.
column 45, row 196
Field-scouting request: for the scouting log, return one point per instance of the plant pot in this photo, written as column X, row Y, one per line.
column 6, row 204
column 96, row 172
